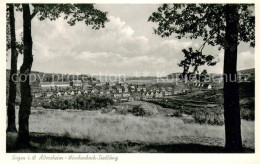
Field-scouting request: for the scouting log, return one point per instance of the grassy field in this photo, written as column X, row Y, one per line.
column 94, row 131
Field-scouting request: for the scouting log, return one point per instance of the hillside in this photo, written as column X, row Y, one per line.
column 250, row 73
column 38, row 77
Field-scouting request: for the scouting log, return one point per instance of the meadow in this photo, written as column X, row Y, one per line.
column 96, row 131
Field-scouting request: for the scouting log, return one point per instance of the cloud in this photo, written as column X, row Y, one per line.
column 100, row 57
column 125, row 45
column 176, row 44
column 245, row 60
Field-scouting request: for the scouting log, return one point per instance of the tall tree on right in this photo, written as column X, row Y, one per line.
column 223, row 25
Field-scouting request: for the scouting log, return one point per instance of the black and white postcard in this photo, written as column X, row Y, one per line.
column 129, row 82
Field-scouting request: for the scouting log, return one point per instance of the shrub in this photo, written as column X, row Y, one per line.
column 138, row 111
column 80, row 102
column 209, row 116
column 247, row 114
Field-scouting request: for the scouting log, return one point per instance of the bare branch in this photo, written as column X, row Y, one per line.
column 34, row 13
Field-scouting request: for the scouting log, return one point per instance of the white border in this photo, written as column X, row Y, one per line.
column 5, row 158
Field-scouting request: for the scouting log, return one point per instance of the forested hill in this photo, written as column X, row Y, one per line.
column 49, row 77
column 249, row 72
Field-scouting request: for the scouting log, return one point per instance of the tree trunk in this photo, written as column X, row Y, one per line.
column 26, row 97
column 11, row 127
column 231, row 94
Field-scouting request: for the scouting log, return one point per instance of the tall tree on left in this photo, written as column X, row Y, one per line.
column 73, row 13
column 11, row 44
column 26, row 97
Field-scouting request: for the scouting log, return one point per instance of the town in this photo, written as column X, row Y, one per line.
column 117, row 91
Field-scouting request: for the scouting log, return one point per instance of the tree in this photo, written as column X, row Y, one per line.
column 204, row 75
column 8, row 31
column 11, row 43
column 194, row 59
column 25, row 70
column 16, row 48
column 224, row 25
column 73, row 13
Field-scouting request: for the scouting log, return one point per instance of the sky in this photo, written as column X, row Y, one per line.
column 126, row 45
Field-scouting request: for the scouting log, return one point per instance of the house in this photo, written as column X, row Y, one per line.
column 72, row 93
column 94, row 91
column 176, row 92
column 167, row 93
column 125, row 89
column 147, row 95
column 163, row 89
column 110, row 88
column 103, row 83
column 125, row 85
column 87, row 87
column 114, row 100
column 123, row 100
column 137, row 96
column 132, row 87
column 111, row 84
column 119, row 90
column 139, row 89
column 47, row 86
column 79, row 93
column 126, row 94
column 59, row 94
column 179, row 88
column 49, row 94
column 158, row 94
column 169, row 89
column 98, row 84
column 36, row 89
column 151, row 95
column 207, row 86
column 77, row 83
column 62, row 84
column 65, row 94
column 94, row 81
column 37, row 94
column 117, row 95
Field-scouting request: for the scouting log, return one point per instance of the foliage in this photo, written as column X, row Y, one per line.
column 73, row 13
column 209, row 116
column 80, row 102
column 248, row 110
column 207, row 21
column 138, row 110
column 19, row 45
column 247, row 114
column 8, row 33
column 203, row 75
column 203, row 20
column 195, row 59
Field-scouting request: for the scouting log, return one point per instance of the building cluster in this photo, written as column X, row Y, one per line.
column 117, row 91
